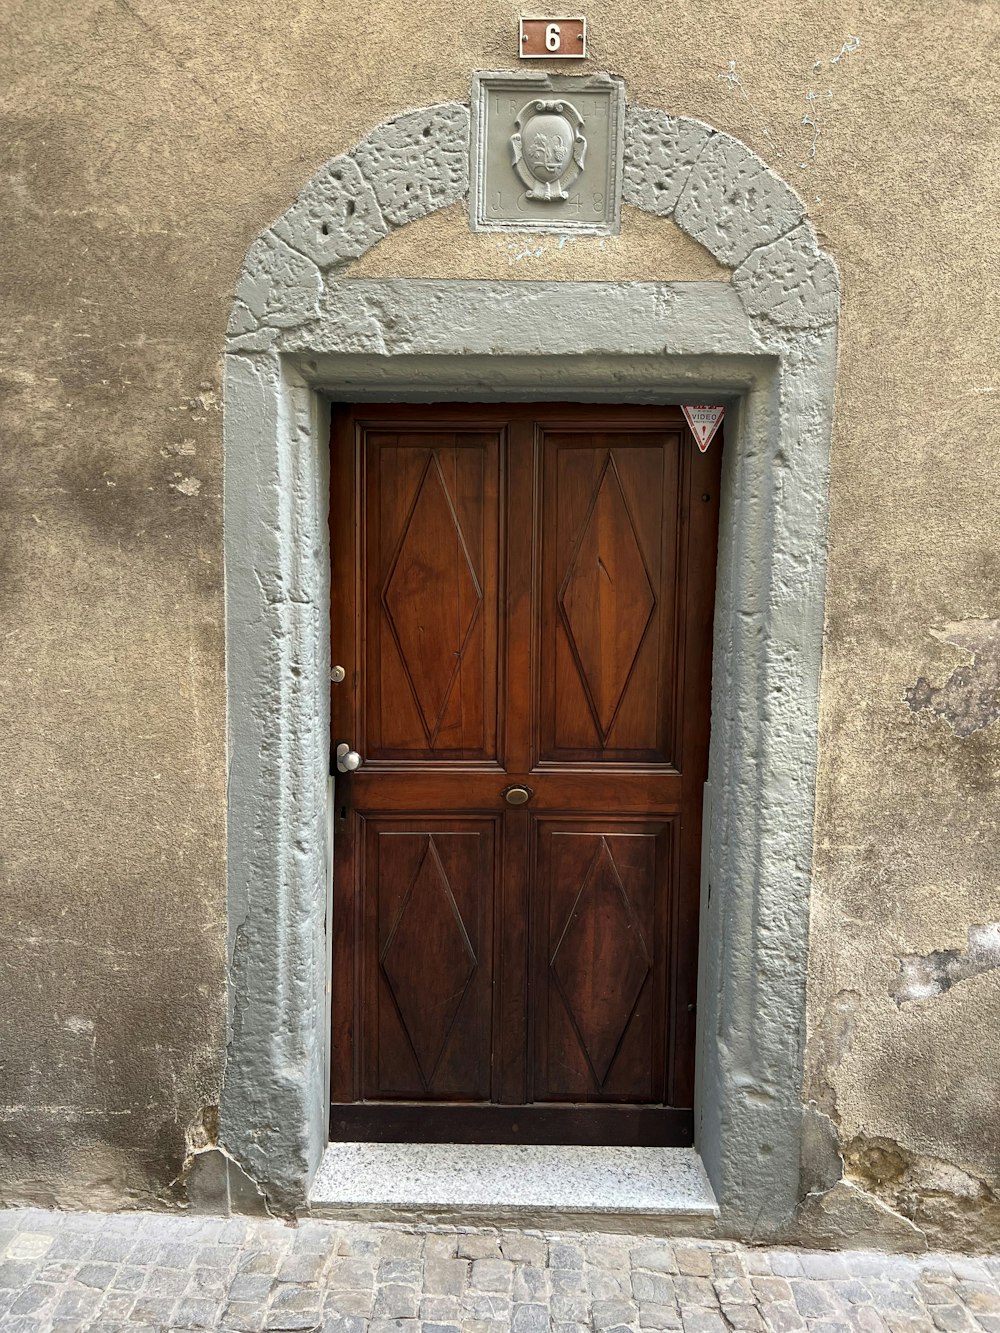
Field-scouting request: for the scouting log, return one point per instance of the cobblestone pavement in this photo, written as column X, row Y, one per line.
column 99, row 1272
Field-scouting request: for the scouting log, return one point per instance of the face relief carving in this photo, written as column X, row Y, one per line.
column 548, row 147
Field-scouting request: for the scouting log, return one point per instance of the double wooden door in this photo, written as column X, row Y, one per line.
column 522, row 604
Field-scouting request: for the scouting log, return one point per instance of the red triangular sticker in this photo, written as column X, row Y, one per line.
column 704, row 422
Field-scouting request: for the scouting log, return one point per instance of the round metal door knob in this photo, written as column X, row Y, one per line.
column 517, row 795
column 347, row 759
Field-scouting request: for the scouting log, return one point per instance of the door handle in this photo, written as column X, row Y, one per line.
column 347, row 759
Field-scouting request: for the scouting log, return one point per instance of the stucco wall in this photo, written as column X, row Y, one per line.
column 144, row 146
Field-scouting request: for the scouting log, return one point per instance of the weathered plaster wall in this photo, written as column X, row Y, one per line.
column 646, row 250
column 143, row 148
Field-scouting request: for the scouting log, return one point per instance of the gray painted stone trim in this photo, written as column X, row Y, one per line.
column 278, row 287
column 336, row 218
column 790, row 282
column 732, row 202
column 418, row 162
column 767, row 346
column 660, row 151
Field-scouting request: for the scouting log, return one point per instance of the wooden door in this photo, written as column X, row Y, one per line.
column 523, row 598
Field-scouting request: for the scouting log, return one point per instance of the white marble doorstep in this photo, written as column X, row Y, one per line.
column 665, row 1181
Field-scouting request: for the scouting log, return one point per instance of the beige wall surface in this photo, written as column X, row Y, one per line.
column 143, row 147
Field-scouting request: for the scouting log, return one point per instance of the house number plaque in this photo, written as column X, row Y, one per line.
column 546, row 153
column 556, row 38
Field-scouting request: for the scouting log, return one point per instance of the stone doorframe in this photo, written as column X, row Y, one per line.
column 301, row 335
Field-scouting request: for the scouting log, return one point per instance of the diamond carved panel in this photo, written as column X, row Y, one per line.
column 600, row 963
column 428, row 962
column 432, row 598
column 607, row 600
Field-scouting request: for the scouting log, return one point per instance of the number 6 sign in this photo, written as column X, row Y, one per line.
column 553, row 37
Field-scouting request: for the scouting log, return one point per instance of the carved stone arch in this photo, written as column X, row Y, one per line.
column 710, row 184
column 766, row 345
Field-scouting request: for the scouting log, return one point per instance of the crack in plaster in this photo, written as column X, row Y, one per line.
column 730, row 75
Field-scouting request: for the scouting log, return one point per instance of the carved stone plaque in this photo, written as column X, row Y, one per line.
column 546, row 153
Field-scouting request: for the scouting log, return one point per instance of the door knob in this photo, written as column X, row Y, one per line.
column 347, row 759
column 517, row 795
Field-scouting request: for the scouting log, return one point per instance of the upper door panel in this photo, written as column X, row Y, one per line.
column 607, row 649
column 432, row 594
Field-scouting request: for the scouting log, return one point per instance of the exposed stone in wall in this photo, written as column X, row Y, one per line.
column 211, row 1181
column 847, row 1214
column 923, row 976
column 970, row 698
column 945, row 1203
column 214, row 1183
column 840, row 1023
column 822, row 1162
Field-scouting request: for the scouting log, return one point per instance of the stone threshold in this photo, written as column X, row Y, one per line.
column 481, row 1183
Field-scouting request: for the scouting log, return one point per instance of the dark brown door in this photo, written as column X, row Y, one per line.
column 523, row 599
